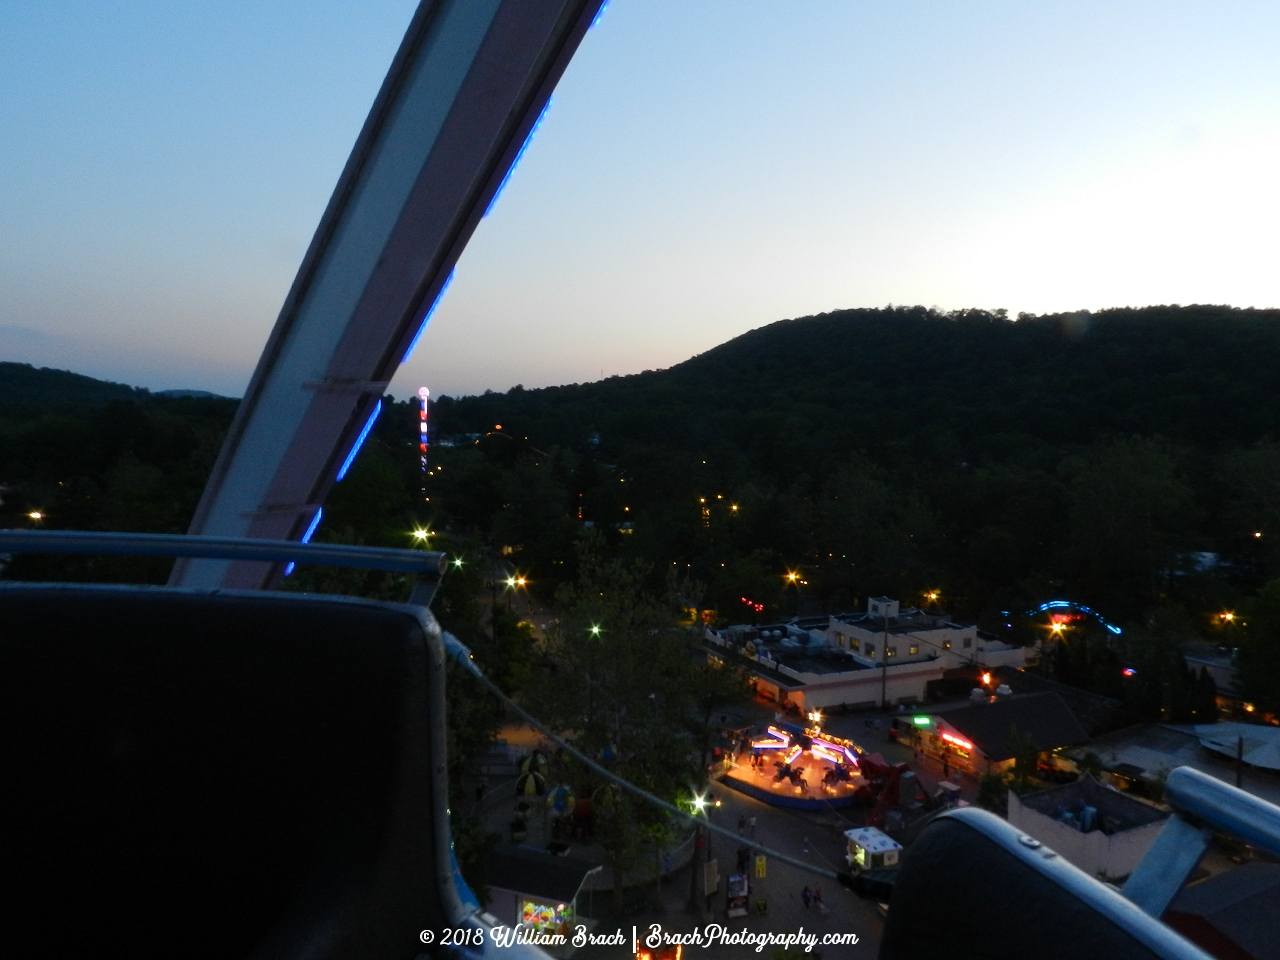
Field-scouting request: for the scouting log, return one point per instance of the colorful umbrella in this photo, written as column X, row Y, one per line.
column 531, row 784
column 561, row 799
column 533, row 763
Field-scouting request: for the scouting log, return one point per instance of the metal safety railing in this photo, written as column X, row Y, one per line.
column 222, row 548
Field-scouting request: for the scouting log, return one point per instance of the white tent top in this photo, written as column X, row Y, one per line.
column 872, row 840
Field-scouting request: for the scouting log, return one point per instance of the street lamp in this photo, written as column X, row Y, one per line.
column 513, row 582
column 700, row 841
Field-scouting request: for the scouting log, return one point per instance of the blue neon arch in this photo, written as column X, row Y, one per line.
column 1072, row 605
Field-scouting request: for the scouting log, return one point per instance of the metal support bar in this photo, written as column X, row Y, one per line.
column 1166, row 866
column 1202, row 804
column 461, row 98
column 427, row 564
column 1225, row 808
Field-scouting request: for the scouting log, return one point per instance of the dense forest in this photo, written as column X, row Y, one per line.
column 1126, row 459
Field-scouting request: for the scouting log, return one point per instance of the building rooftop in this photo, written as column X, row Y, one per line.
column 1115, row 812
column 820, row 661
column 783, row 681
column 538, row 873
column 1261, row 742
column 907, row 621
column 1044, row 717
column 1240, row 905
column 1095, row 712
column 1153, row 749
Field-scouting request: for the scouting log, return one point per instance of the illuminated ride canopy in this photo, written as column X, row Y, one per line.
column 793, row 742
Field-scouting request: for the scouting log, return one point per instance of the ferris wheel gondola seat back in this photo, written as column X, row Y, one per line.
column 208, row 774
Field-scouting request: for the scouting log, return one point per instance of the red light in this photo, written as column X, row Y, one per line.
column 1129, row 672
column 962, row 744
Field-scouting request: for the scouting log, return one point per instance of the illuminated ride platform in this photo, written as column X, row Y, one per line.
column 803, row 769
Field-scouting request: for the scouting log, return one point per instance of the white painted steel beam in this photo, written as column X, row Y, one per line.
column 466, row 88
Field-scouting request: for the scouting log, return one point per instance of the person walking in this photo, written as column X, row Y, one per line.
column 807, row 896
column 817, row 901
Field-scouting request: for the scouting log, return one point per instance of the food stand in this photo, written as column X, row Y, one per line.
column 871, row 849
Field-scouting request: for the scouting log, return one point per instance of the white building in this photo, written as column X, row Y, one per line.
column 860, row 659
column 886, row 631
column 1099, row 829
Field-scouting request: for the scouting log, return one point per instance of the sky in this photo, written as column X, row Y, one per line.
column 706, row 167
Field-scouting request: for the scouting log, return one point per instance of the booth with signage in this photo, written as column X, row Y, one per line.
column 871, row 849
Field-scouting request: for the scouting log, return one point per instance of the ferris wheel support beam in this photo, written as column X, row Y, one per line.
column 464, row 93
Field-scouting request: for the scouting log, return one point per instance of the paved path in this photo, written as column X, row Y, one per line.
column 793, row 834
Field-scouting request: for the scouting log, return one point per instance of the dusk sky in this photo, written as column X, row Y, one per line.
column 706, row 167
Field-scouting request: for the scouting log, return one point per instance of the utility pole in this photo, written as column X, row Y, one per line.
column 696, row 870
column 884, row 664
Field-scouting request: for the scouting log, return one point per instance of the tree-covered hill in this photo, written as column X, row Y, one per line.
column 83, row 454
column 22, row 383
column 1003, row 461
column 971, row 386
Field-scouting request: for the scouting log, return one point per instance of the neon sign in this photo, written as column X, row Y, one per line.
column 958, row 741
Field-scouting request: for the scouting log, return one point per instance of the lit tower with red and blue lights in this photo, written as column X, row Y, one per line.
column 423, row 396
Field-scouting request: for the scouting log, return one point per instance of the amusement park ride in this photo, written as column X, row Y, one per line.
column 807, row 768
column 216, row 770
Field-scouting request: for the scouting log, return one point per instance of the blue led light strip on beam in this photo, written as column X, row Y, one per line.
column 444, row 288
column 351, row 457
column 315, row 521
column 519, row 156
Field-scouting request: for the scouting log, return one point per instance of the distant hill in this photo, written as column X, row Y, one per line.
column 23, row 383
column 200, row 394
column 137, row 461
column 971, row 385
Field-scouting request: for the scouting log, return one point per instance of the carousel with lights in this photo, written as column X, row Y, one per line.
column 800, row 767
